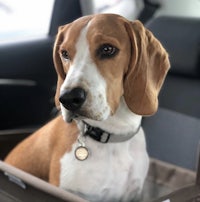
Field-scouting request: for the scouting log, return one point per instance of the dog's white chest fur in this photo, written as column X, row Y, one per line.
column 112, row 172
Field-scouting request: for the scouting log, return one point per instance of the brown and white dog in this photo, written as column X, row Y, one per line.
column 110, row 71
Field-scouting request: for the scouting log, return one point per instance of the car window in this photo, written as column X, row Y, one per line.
column 24, row 20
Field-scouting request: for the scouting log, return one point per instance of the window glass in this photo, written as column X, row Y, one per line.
column 24, row 20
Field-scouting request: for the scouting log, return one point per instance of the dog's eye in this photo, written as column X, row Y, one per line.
column 107, row 51
column 65, row 54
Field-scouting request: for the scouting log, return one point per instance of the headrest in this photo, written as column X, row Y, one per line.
column 181, row 38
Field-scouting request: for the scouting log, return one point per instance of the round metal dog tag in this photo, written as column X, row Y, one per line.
column 81, row 153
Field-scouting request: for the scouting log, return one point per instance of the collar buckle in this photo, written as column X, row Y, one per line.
column 105, row 137
column 97, row 134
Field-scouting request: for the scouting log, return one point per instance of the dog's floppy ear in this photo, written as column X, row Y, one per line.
column 148, row 67
column 58, row 63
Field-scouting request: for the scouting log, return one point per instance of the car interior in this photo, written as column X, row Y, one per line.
column 28, row 84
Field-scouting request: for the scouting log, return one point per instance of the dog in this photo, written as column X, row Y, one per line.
column 110, row 72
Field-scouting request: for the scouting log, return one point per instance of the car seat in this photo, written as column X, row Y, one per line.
column 173, row 134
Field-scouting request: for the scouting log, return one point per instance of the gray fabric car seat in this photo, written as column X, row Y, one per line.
column 181, row 38
column 173, row 134
column 173, row 137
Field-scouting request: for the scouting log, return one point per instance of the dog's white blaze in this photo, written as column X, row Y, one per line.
column 84, row 73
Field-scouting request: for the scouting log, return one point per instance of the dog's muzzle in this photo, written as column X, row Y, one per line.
column 73, row 99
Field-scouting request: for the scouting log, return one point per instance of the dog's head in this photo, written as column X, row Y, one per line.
column 101, row 58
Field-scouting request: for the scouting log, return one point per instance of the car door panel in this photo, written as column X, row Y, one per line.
column 26, row 83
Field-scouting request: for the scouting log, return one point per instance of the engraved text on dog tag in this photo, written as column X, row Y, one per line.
column 81, row 153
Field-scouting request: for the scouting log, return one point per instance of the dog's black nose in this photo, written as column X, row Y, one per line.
column 73, row 99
